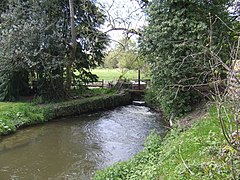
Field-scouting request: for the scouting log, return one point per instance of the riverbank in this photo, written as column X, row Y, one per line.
column 198, row 152
column 79, row 145
column 19, row 114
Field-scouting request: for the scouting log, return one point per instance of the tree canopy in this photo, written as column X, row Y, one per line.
column 177, row 44
column 36, row 45
column 123, row 56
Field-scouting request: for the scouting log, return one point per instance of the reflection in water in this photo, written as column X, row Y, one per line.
column 74, row 148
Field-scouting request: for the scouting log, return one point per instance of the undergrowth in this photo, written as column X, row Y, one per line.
column 197, row 153
column 14, row 115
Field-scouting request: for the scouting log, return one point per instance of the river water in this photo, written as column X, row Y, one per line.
column 74, row 148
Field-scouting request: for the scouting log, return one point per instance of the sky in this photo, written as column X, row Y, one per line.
column 121, row 14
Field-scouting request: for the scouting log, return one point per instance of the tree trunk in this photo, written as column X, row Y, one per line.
column 73, row 47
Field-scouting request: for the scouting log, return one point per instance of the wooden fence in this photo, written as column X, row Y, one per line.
column 96, row 84
column 133, row 84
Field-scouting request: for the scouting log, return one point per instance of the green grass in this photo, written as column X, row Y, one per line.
column 114, row 74
column 17, row 114
column 10, row 106
column 92, row 92
column 193, row 154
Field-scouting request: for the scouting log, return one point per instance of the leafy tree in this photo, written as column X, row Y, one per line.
column 111, row 60
column 124, row 56
column 86, row 52
column 36, row 40
column 176, row 45
column 30, row 45
column 3, row 7
column 12, row 49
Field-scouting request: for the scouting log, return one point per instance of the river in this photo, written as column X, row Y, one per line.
column 74, row 148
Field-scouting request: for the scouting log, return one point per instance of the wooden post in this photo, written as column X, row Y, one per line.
column 139, row 80
column 102, row 83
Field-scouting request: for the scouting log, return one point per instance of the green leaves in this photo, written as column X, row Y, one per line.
column 175, row 45
column 6, row 127
column 35, row 39
column 124, row 56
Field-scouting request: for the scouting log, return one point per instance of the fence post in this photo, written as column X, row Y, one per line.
column 139, row 84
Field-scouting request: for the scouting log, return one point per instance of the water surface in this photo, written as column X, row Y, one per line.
column 74, row 148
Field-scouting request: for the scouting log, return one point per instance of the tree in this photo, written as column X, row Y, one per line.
column 3, row 7
column 13, row 32
column 175, row 44
column 124, row 56
column 111, row 60
column 90, row 40
column 39, row 35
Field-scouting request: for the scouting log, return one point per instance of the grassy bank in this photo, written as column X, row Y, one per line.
column 15, row 115
column 86, row 105
column 192, row 154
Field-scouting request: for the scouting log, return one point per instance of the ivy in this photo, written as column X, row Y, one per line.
column 176, row 45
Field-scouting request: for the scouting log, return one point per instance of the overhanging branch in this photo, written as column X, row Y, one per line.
column 128, row 31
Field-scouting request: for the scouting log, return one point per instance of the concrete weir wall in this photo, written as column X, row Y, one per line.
column 89, row 105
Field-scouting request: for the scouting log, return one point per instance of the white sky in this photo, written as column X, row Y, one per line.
column 122, row 14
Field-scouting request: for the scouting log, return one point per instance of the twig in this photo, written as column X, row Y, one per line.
column 179, row 151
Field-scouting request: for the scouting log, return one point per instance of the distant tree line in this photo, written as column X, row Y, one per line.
column 123, row 56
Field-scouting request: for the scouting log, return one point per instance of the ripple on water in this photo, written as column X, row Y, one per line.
column 74, row 148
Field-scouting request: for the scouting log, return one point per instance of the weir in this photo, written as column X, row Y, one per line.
column 136, row 95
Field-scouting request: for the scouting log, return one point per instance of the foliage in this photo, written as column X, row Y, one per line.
column 150, row 98
column 92, row 92
column 35, row 41
column 111, row 60
column 227, row 101
column 175, row 44
column 124, row 56
column 196, row 153
column 101, row 91
column 14, row 115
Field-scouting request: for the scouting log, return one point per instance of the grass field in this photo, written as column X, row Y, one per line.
column 114, row 74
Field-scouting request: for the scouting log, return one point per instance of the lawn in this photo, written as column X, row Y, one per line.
column 114, row 74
